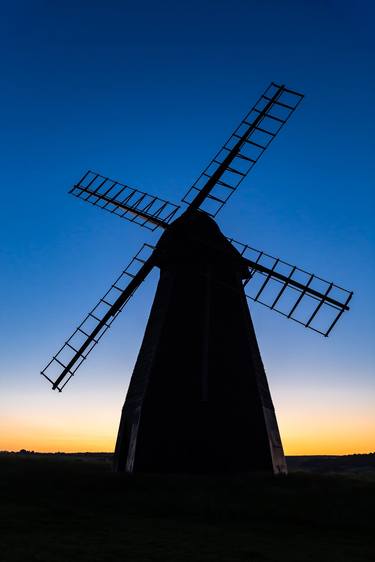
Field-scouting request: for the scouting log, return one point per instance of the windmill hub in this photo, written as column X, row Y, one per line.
column 195, row 239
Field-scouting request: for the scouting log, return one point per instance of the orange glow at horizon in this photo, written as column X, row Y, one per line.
column 333, row 421
column 329, row 441
column 303, row 442
column 300, row 434
column 338, row 421
column 67, row 444
column 34, row 437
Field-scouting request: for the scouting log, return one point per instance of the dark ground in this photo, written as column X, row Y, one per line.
column 65, row 508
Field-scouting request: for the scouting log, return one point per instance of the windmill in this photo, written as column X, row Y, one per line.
column 198, row 399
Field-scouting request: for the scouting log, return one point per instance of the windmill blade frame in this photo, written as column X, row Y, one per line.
column 87, row 335
column 293, row 292
column 126, row 202
column 242, row 150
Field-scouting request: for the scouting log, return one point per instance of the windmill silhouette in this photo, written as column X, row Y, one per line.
column 198, row 399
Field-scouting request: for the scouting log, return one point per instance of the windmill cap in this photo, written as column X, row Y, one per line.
column 195, row 238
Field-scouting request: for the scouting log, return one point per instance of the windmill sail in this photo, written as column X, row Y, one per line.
column 75, row 350
column 301, row 296
column 243, row 149
column 124, row 201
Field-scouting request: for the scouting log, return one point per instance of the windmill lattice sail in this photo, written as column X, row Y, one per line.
column 301, row 296
column 75, row 350
column 243, row 149
column 124, row 201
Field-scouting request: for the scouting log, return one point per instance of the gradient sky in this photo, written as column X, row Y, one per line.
column 145, row 93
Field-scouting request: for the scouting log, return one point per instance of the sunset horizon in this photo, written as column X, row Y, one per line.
column 187, row 244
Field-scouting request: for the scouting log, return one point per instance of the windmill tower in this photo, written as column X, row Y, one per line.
column 198, row 399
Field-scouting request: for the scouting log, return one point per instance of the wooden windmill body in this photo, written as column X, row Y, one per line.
column 198, row 399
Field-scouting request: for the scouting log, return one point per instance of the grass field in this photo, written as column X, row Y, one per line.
column 65, row 509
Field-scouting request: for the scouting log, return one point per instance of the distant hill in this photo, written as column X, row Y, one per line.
column 348, row 464
column 320, row 464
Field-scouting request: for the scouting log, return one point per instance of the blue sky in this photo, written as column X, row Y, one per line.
column 146, row 94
